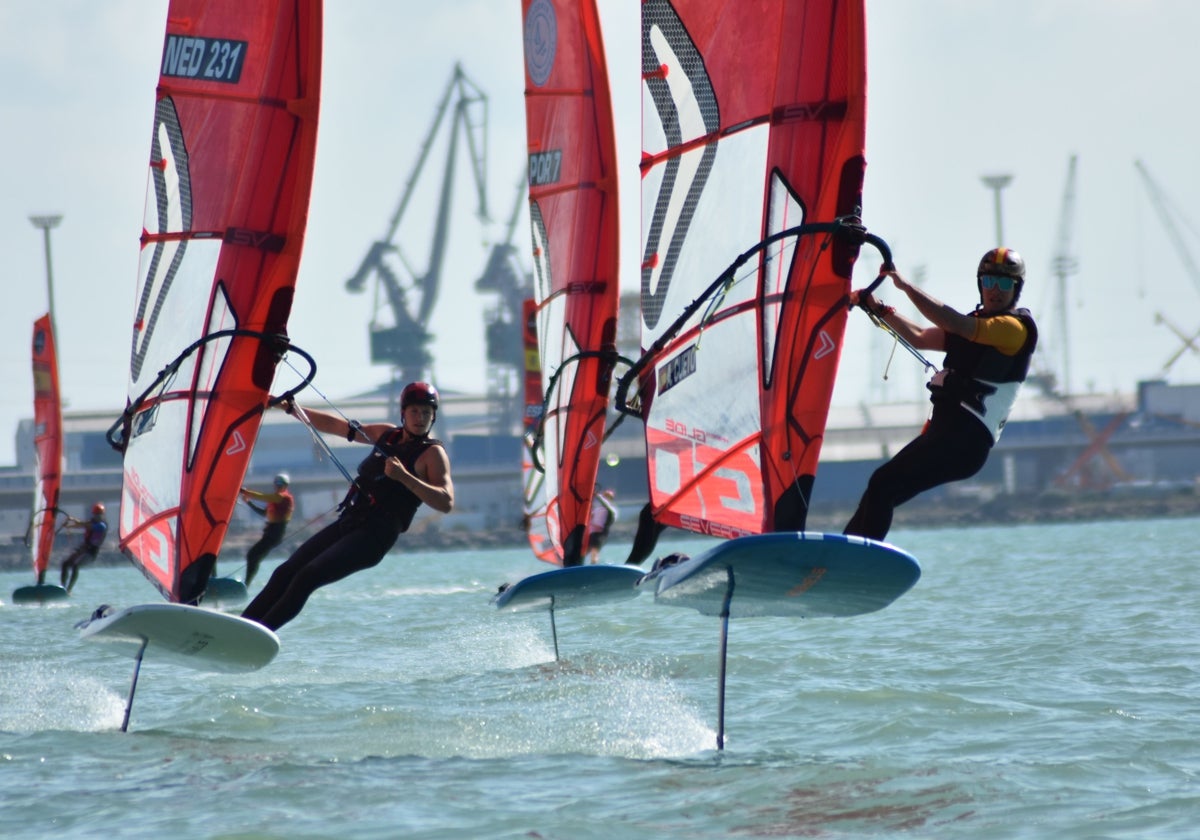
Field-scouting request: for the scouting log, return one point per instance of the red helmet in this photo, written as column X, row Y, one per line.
column 98, row 509
column 418, row 393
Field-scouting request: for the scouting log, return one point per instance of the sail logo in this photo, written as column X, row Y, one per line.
column 206, row 59
column 541, row 41
column 825, row 346
column 264, row 240
column 545, row 167
column 238, row 444
column 677, row 370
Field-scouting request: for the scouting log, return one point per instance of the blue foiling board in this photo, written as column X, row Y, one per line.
column 804, row 574
column 572, row 586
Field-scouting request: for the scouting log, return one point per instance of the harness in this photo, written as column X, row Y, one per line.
column 981, row 379
column 373, row 492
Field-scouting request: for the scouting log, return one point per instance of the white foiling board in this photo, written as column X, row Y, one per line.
column 194, row 637
column 805, row 574
column 572, row 586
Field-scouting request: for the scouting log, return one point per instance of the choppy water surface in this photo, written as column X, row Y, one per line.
column 1038, row 681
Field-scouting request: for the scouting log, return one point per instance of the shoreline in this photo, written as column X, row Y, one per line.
column 1051, row 507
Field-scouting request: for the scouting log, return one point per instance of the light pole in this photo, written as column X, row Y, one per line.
column 45, row 223
column 996, row 183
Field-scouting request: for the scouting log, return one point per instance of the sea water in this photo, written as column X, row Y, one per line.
column 1039, row 681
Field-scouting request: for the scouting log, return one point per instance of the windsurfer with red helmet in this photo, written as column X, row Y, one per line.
column 94, row 532
column 277, row 510
column 405, row 469
column 988, row 352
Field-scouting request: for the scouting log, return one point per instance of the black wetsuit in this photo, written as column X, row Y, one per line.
column 375, row 513
column 93, row 537
column 272, row 535
column 959, row 437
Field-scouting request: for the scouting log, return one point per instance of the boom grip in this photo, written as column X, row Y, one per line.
column 886, row 253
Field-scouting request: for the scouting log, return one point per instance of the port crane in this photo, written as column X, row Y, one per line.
column 1167, row 214
column 411, row 292
column 505, row 276
column 1057, row 385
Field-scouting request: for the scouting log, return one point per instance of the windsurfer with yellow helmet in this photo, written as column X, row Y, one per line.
column 277, row 510
column 988, row 352
column 405, row 469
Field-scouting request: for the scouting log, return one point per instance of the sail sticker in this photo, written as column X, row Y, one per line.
column 541, row 40
column 677, row 369
column 206, row 59
column 545, row 167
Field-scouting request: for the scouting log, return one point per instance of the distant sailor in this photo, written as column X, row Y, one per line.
column 988, row 352
column 405, row 469
column 94, row 532
column 600, row 522
column 277, row 512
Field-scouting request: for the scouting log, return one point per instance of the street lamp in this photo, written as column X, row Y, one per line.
column 996, row 183
column 45, row 223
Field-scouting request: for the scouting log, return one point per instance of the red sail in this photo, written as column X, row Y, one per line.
column 230, row 172
column 47, row 440
column 573, row 214
column 753, row 123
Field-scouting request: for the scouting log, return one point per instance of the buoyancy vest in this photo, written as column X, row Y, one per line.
column 373, row 490
column 281, row 511
column 980, row 378
column 95, row 532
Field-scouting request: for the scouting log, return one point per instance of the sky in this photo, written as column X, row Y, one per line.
column 956, row 91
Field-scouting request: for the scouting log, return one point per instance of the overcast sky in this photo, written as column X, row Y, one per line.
column 957, row 90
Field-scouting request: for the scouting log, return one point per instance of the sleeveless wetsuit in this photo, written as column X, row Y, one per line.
column 972, row 396
column 94, row 533
column 376, row 511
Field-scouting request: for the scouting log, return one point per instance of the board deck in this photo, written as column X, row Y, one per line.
column 194, row 637
column 39, row 593
column 805, row 574
column 572, row 586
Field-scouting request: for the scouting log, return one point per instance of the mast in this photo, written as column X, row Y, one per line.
column 46, row 223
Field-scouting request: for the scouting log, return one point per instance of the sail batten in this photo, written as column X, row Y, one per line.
column 229, row 177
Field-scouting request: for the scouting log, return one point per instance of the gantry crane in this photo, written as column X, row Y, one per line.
column 1167, row 214
column 1064, row 265
column 505, row 276
column 411, row 293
